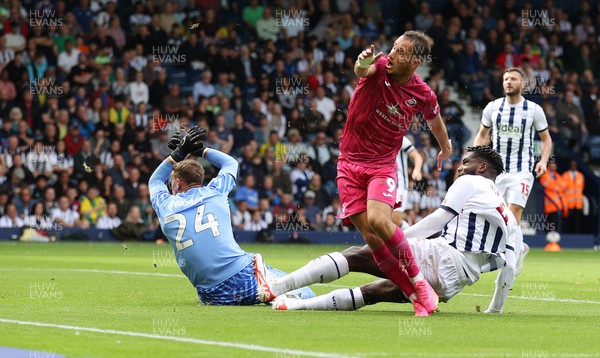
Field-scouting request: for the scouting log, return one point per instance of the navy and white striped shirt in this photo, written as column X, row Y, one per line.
column 481, row 221
column 402, row 161
column 513, row 131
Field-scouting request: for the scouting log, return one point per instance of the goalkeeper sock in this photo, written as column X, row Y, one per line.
column 338, row 300
column 323, row 269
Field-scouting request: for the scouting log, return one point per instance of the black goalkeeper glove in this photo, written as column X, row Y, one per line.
column 191, row 143
column 176, row 139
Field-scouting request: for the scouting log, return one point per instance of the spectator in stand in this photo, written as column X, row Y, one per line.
column 320, row 151
column 266, row 211
column 267, row 27
column 49, row 199
column 430, row 202
column 438, row 183
column 24, row 202
column 324, row 104
column 322, row 199
column 300, row 177
column 507, row 58
column 204, row 87
column 248, row 193
column 256, row 222
column 11, row 219
column 138, row 90
column 572, row 127
column 93, row 206
column 452, row 114
column 431, row 154
column 123, row 202
column 423, row 20
column 38, row 160
column 240, row 215
column 469, row 65
column 109, row 220
column 66, row 217
column 313, row 212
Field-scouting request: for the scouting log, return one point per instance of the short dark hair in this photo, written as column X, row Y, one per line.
column 422, row 43
column 489, row 155
column 515, row 69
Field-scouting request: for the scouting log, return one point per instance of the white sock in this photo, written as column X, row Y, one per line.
column 338, row 300
column 520, row 246
column 323, row 269
column 419, row 277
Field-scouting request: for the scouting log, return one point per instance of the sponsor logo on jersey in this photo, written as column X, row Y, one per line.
column 411, row 102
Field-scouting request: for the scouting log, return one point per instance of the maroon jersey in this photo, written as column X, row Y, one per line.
column 380, row 112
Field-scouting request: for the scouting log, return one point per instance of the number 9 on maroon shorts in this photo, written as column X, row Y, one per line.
column 357, row 184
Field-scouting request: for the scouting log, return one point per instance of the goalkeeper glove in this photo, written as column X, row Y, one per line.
column 191, row 143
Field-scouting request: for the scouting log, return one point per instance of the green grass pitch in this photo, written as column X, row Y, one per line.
column 82, row 300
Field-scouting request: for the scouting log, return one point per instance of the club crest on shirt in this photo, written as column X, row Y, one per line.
column 411, row 102
column 393, row 109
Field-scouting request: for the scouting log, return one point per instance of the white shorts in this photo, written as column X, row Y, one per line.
column 401, row 197
column 515, row 187
column 441, row 265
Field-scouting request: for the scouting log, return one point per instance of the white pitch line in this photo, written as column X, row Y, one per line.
column 532, row 353
column 138, row 273
column 135, row 273
column 568, row 300
column 251, row 347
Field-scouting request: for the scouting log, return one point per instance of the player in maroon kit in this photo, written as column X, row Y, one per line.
column 389, row 95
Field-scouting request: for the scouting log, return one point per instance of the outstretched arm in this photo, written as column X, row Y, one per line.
column 481, row 138
column 438, row 128
column 225, row 180
column 417, row 159
column 430, row 225
column 540, row 167
column 158, row 189
column 364, row 66
column 504, row 282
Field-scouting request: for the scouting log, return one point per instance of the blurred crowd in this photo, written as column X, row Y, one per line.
column 91, row 91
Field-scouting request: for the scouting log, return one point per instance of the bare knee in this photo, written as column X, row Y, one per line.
column 397, row 218
column 373, row 240
column 377, row 221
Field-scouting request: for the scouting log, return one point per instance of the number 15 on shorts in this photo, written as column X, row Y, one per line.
column 525, row 189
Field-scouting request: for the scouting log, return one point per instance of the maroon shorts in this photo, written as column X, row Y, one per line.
column 357, row 184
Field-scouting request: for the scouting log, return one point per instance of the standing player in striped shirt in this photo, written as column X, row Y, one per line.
column 513, row 121
column 407, row 150
column 477, row 236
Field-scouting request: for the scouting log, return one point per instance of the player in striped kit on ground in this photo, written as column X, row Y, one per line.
column 512, row 121
column 477, row 235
